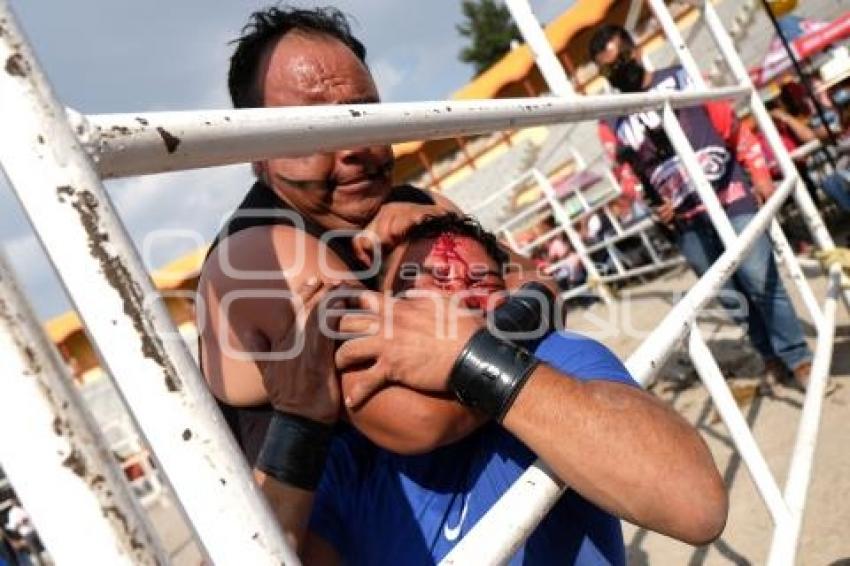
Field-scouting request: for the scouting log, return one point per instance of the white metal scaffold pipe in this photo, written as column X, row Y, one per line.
column 138, row 144
column 715, row 383
column 546, row 59
column 73, row 217
column 563, row 218
column 783, row 548
column 55, row 456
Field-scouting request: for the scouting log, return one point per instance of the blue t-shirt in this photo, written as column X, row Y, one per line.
column 376, row 507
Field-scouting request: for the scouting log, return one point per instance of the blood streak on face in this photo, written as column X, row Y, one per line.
column 454, row 263
column 446, row 248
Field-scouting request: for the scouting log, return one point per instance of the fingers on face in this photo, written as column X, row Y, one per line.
column 364, row 384
column 364, row 246
column 359, row 324
column 368, row 301
column 358, row 351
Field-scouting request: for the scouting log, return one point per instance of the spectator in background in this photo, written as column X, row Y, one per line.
column 797, row 126
column 565, row 264
column 734, row 165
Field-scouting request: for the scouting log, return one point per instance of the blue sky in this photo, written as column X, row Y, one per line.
column 120, row 56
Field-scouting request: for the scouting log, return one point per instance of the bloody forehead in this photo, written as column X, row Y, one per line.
column 447, row 248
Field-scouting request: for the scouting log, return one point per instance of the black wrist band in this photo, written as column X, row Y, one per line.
column 294, row 450
column 489, row 373
column 527, row 315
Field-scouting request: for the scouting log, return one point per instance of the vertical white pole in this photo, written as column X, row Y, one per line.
column 783, row 548
column 66, row 203
column 715, row 383
column 674, row 37
column 697, row 177
column 546, row 59
column 54, row 455
column 563, row 218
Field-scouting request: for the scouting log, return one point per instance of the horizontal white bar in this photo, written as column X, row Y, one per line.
column 137, row 144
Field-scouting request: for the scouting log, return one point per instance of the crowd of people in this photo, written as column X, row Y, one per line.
column 556, row 256
column 798, row 122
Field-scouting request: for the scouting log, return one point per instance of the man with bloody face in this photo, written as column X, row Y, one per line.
column 576, row 407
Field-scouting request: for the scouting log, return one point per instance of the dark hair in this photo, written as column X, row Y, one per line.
column 264, row 28
column 793, row 98
column 435, row 226
column 605, row 33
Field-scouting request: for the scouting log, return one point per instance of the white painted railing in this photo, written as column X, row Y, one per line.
column 64, row 199
column 541, row 489
column 57, row 174
column 566, row 221
column 54, row 454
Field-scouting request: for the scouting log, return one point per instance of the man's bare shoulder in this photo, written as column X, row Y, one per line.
column 262, row 253
column 252, row 274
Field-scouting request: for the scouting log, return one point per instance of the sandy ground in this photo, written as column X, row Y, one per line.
column 773, row 418
column 826, row 531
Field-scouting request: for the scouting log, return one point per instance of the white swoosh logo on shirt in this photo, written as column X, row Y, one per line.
column 451, row 533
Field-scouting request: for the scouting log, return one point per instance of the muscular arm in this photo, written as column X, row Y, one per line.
column 624, row 450
column 614, row 444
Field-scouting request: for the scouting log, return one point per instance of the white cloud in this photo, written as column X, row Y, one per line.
column 170, row 214
column 35, row 275
column 25, row 254
column 387, row 76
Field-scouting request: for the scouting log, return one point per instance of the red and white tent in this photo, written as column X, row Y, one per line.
column 815, row 37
